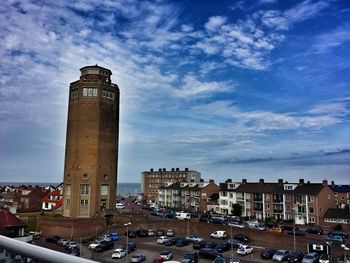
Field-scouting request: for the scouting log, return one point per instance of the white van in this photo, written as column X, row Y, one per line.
column 119, row 206
column 183, row 216
column 219, row 234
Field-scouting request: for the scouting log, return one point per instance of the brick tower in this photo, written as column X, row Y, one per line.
column 91, row 158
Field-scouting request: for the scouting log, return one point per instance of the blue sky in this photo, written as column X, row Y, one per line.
column 240, row 89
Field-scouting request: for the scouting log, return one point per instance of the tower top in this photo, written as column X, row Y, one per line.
column 95, row 70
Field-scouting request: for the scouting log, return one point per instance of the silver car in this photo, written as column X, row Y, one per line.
column 310, row 258
column 281, row 255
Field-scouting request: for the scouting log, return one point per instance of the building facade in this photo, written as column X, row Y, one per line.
column 151, row 180
column 187, row 196
column 91, row 157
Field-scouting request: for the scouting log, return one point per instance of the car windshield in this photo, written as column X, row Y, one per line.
column 309, row 257
column 280, row 253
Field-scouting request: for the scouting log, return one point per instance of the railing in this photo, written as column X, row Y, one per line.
column 15, row 248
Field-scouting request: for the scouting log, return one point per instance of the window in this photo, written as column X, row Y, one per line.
column 84, row 202
column 68, row 202
column 68, row 189
column 311, row 210
column 312, row 220
column 90, row 92
column 104, row 189
column 310, row 199
column 84, row 189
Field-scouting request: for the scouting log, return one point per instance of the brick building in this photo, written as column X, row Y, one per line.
column 91, row 157
column 341, row 195
column 151, row 180
column 187, row 196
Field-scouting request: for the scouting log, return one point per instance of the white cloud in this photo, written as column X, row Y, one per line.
column 214, row 23
column 329, row 41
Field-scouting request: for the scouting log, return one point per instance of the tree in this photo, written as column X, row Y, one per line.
column 236, row 210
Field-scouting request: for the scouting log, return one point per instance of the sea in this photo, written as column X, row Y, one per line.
column 123, row 189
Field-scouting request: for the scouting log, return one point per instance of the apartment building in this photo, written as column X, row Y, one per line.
column 306, row 203
column 227, row 196
column 341, row 195
column 192, row 196
column 152, row 180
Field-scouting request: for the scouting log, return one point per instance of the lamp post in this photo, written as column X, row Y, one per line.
column 127, row 240
column 188, row 226
column 231, row 243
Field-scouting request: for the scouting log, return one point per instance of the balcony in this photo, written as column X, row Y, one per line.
column 257, row 199
column 258, row 208
column 278, row 200
column 278, row 211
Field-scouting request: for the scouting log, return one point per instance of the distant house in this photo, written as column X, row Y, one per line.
column 30, row 200
column 53, row 200
column 10, row 225
column 335, row 216
column 341, row 195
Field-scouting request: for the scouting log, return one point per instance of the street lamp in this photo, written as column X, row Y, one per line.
column 188, row 226
column 127, row 240
column 231, row 243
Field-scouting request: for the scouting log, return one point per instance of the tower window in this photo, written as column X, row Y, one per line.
column 90, row 92
column 84, row 189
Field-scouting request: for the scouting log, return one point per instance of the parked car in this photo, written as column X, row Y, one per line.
column 324, row 258
column 315, row 230
column 182, row 242
column 235, row 260
column 158, row 259
column 170, row 242
column 281, row 255
column 192, row 257
column 119, row 206
column 242, row 238
column 131, row 247
column 295, row 256
column 103, row 246
column 160, row 232
column 219, row 260
column 205, row 218
column 119, row 253
column 310, row 258
column 138, row 258
column 170, row 233
column 141, row 232
column 62, row 242
column 194, row 238
column 115, row 236
column 339, row 233
column 259, row 227
column 74, row 251
column 335, row 239
column 219, row 221
column 222, row 247
column 209, row 253
column 244, row 250
column 94, row 244
column 298, row 232
column 271, row 224
column 289, row 227
column 130, row 234
column 166, row 254
column 210, row 245
column 235, row 243
column 52, row 239
column 199, row 244
column 267, row 253
column 219, row 234
column 236, row 224
column 151, row 233
column 71, row 244
column 162, row 239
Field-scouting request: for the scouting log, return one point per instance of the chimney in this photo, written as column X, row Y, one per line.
column 301, row 181
column 186, row 169
column 164, row 169
column 151, row 169
column 211, row 181
column 261, row 181
column 332, row 183
column 325, row 182
column 244, row 181
column 177, row 169
column 308, row 182
column 280, row 181
column 172, row 169
column 160, row 169
column 228, row 181
column 201, row 180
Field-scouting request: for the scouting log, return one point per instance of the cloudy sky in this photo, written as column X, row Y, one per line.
column 241, row 89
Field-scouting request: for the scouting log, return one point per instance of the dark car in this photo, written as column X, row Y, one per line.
column 182, row 242
column 169, row 214
column 298, row 232
column 235, row 243
column 222, row 247
column 209, row 253
column 74, row 251
column 160, row 232
column 339, row 233
column 205, row 218
column 141, row 232
column 271, row 224
column 219, row 260
column 295, row 256
column 289, row 227
column 219, row 221
column 242, row 238
column 104, row 245
column 131, row 247
column 52, row 239
column 192, row 257
column 315, row 230
column 267, row 253
column 210, row 244
column 170, row 242
column 130, row 233
column 199, row 244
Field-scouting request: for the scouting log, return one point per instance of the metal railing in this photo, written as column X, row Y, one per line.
column 18, row 251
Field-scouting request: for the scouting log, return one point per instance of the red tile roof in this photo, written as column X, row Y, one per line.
column 7, row 220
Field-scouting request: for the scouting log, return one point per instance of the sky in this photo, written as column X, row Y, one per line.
column 233, row 89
